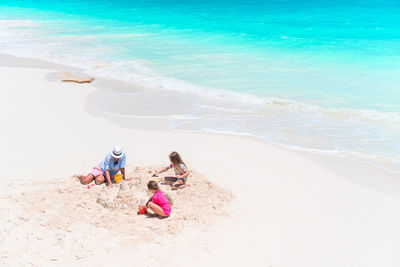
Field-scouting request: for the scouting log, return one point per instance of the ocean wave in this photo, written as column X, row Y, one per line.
column 367, row 135
column 61, row 50
column 381, row 162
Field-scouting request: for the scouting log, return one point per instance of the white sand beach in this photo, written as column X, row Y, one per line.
column 250, row 204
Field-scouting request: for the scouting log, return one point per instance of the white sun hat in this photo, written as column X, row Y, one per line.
column 117, row 152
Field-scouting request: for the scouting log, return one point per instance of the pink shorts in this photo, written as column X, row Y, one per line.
column 97, row 171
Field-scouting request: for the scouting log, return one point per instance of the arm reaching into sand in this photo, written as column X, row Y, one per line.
column 162, row 170
column 123, row 173
column 108, row 179
column 145, row 205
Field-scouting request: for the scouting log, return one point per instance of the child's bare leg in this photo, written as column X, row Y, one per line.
column 157, row 209
column 86, row 179
column 100, row 179
column 183, row 186
column 177, row 184
column 165, row 181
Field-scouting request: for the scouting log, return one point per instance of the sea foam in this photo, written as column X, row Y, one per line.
column 365, row 134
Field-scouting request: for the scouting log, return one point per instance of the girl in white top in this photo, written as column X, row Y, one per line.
column 181, row 172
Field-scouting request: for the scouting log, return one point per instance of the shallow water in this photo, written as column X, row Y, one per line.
column 308, row 74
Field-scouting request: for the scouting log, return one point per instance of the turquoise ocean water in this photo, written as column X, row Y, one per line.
column 320, row 75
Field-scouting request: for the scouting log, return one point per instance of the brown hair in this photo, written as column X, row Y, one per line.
column 152, row 185
column 176, row 159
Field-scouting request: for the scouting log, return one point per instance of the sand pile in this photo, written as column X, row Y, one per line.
column 199, row 202
column 70, row 216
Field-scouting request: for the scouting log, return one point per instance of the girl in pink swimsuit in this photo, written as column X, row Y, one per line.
column 158, row 203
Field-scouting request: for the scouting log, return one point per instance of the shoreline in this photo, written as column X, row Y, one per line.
column 292, row 208
column 107, row 87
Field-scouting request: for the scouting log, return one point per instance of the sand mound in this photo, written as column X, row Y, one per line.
column 66, row 213
column 191, row 203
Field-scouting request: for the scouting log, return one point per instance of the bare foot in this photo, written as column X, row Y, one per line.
column 77, row 177
column 180, row 186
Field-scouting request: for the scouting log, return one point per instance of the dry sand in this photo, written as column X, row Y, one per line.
column 291, row 209
column 64, row 222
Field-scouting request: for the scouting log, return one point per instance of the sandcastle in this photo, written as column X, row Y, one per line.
column 191, row 202
column 65, row 203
